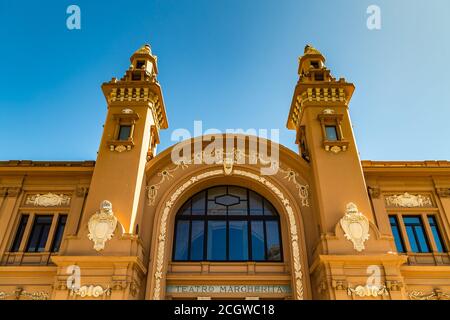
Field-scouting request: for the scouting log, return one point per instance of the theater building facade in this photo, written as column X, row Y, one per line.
column 322, row 224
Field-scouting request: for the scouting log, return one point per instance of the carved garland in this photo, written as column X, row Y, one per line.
column 168, row 205
column 90, row 291
column 436, row 295
column 48, row 200
column 368, row 291
column 408, row 200
column 19, row 292
column 227, row 159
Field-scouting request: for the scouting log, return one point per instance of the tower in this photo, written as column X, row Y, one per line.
column 135, row 115
column 319, row 113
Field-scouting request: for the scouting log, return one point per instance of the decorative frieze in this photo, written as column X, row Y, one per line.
column 90, row 291
column 355, row 226
column 368, row 291
column 407, row 200
column 435, row 295
column 48, row 200
column 19, row 293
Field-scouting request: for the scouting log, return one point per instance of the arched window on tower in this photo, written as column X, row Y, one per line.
column 227, row 223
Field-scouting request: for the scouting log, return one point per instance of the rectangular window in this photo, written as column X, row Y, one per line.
column 62, row 219
column 315, row 64
column 416, row 234
column 331, row 132
column 140, row 64
column 396, row 233
column 19, row 234
column 39, row 233
column 124, row 132
column 436, row 233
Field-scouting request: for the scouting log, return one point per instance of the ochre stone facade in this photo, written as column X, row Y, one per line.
column 349, row 229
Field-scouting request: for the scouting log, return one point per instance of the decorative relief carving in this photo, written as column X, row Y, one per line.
column 3, row 295
column 14, row 191
column 161, row 245
column 435, row 295
column 393, row 285
column 407, row 200
column 3, row 192
column 227, row 160
column 374, row 192
column 19, row 293
column 355, row 226
column 48, row 200
column 90, row 291
column 339, row 284
column 443, row 192
column 120, row 148
column 81, row 191
column 303, row 190
column 368, row 291
column 102, row 225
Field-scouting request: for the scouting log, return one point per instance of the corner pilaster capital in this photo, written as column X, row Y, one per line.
column 443, row 192
column 374, row 192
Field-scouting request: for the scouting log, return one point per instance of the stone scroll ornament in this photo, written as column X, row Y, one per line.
column 355, row 226
column 102, row 225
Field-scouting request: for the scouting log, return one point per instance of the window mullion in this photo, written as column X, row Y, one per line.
column 429, row 233
column 51, row 232
column 265, row 240
column 403, row 233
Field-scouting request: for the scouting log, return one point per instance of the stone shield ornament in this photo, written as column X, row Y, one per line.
column 355, row 226
column 102, row 225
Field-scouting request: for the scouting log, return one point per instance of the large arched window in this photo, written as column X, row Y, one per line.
column 227, row 223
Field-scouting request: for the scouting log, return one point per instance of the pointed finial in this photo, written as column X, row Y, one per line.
column 309, row 49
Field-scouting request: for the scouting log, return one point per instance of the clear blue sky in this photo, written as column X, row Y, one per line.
column 229, row 63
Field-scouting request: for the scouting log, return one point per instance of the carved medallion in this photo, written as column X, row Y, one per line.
column 407, row 200
column 355, row 226
column 102, row 225
column 48, row 200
